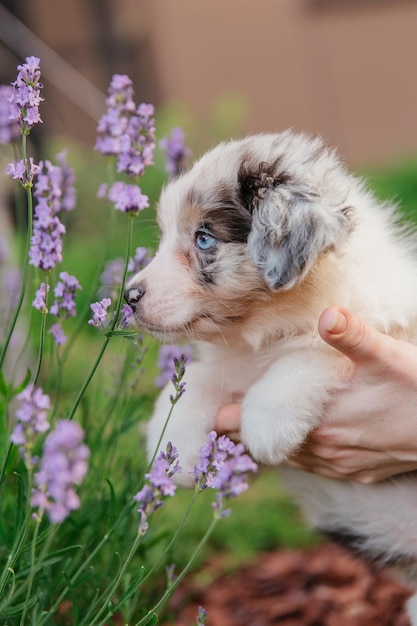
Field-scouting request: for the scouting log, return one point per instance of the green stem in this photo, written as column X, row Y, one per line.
column 116, row 582
column 6, row 460
column 89, row 378
column 179, row 578
column 127, row 258
column 112, row 326
column 43, row 327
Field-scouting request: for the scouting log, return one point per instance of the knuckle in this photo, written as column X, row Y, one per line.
column 364, row 479
column 332, row 454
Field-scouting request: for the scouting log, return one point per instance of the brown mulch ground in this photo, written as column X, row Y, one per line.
column 322, row 586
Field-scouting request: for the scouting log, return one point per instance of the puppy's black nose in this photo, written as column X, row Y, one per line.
column 133, row 295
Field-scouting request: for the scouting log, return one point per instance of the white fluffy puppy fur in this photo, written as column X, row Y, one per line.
column 258, row 238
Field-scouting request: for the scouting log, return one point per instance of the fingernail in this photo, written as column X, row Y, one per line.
column 335, row 321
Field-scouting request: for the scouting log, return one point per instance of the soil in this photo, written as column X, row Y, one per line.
column 321, row 586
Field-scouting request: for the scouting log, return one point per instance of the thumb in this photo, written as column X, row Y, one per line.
column 351, row 336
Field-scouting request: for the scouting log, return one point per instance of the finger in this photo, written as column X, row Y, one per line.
column 321, row 470
column 377, row 474
column 228, row 418
column 335, row 436
column 351, row 336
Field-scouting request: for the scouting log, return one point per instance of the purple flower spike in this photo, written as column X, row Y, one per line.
column 31, row 419
column 126, row 131
column 54, row 193
column 63, row 467
column 127, row 315
column 111, row 278
column 58, row 334
column 25, row 97
column 64, row 305
column 100, row 316
column 40, row 298
column 25, row 174
column 223, row 466
column 166, row 361
column 160, row 484
column 175, row 150
column 127, row 198
column 201, row 616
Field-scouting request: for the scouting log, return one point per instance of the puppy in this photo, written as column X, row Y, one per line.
column 258, row 238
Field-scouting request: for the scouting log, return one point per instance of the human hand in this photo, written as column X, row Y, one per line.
column 370, row 431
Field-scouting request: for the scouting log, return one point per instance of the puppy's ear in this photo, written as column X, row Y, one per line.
column 291, row 226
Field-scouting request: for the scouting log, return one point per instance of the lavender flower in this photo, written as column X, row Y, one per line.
column 40, row 298
column 65, row 289
column 112, row 276
column 201, row 616
column 100, row 316
column 58, row 334
column 25, row 97
column 125, row 130
column 141, row 259
column 46, row 244
column 168, row 355
column 62, row 467
column 113, row 124
column 127, row 315
column 127, row 198
column 223, row 466
column 175, row 150
column 55, row 184
column 23, row 173
column 9, row 130
column 63, row 306
column 160, row 484
column 31, row 419
column 54, row 193
column 138, row 142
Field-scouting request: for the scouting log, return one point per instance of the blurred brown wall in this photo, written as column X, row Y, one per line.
column 343, row 68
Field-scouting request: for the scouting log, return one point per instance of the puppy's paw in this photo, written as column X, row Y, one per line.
column 265, row 448
column 269, row 439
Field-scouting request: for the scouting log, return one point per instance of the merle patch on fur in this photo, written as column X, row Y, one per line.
column 255, row 179
column 224, row 215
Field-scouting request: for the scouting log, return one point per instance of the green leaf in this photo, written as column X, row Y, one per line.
column 130, row 335
column 21, row 512
column 132, row 588
column 4, row 389
column 112, row 502
column 18, row 608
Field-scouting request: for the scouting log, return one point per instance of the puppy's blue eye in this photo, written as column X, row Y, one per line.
column 204, row 240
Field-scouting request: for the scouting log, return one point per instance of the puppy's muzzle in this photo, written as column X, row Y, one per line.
column 133, row 295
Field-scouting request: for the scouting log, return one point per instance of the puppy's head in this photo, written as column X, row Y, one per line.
column 243, row 228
